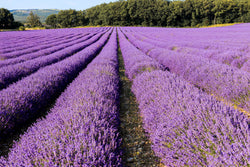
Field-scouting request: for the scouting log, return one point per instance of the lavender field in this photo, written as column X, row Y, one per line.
column 62, row 96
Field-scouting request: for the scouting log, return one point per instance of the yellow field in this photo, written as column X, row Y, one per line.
column 219, row 25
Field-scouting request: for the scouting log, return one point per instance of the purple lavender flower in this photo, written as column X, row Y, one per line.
column 81, row 129
column 188, row 127
column 22, row 100
column 12, row 73
column 135, row 61
column 53, row 47
column 224, row 81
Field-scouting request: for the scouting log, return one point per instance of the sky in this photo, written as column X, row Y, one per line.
column 51, row 4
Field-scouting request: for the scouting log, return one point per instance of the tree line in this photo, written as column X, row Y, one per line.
column 67, row 18
column 179, row 13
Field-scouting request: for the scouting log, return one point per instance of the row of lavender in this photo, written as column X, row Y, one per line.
column 187, row 127
column 49, row 46
column 16, row 41
column 220, row 38
column 24, row 46
column 44, row 49
column 225, row 45
column 135, row 61
column 39, row 46
column 12, row 73
column 52, row 48
column 228, row 83
column 27, row 97
column 82, row 128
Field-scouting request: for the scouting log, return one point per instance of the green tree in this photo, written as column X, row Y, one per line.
column 125, row 19
column 81, row 17
column 6, row 19
column 161, row 13
column 179, row 13
column 104, row 16
column 132, row 7
column 33, row 20
column 70, row 18
column 244, row 11
column 175, row 17
column 93, row 15
column 206, row 12
column 51, row 20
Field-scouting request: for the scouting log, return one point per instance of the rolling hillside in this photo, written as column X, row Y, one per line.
column 21, row 14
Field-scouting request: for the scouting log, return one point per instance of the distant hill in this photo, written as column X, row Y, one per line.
column 21, row 14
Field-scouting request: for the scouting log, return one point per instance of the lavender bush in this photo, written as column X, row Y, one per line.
column 47, row 51
column 246, row 66
column 51, row 48
column 22, row 100
column 224, row 81
column 81, row 129
column 12, row 73
column 20, row 51
column 12, row 41
column 188, row 127
column 15, row 41
column 224, row 44
column 135, row 61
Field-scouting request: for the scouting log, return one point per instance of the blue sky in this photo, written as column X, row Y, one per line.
column 51, row 4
